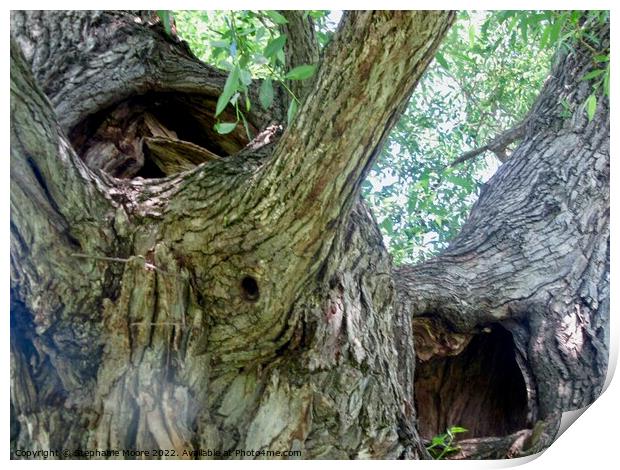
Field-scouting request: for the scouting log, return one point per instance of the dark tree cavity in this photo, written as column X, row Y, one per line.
column 177, row 289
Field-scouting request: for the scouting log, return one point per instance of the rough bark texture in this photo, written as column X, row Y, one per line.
column 533, row 258
column 242, row 304
column 248, row 302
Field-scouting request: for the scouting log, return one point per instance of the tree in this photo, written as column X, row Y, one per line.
column 248, row 302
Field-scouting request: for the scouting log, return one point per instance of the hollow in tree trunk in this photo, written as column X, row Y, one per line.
column 180, row 291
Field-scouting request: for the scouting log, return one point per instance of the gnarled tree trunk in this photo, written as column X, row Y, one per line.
column 512, row 320
column 196, row 294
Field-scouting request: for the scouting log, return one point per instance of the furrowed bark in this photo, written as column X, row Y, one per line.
column 533, row 260
column 209, row 316
column 249, row 302
column 58, row 207
column 86, row 61
column 360, row 89
column 57, row 204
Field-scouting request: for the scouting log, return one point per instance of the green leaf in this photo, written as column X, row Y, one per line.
column 606, row 82
column 591, row 106
column 300, row 72
column 248, row 104
column 458, row 429
column 472, row 35
column 460, row 181
column 234, row 99
column 388, row 226
column 246, row 126
column 601, row 58
column 230, row 88
column 274, row 46
column 318, row 14
column 280, row 56
column 276, row 17
column 222, row 44
column 524, row 25
column 554, row 34
column 503, row 16
column 441, row 60
column 245, row 76
column 292, row 111
column 265, row 94
column 593, row 74
column 464, row 57
column 545, row 37
column 225, row 127
column 164, row 16
column 324, row 38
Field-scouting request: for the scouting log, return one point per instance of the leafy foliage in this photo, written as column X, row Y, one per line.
column 483, row 81
column 486, row 75
column 248, row 45
column 164, row 16
column 443, row 444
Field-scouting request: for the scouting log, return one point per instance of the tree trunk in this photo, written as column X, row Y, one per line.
column 193, row 295
column 512, row 320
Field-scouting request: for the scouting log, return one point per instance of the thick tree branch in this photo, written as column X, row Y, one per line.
column 58, row 208
column 368, row 74
column 534, row 254
column 126, row 56
column 280, row 216
column 519, row 444
column 60, row 188
column 287, row 211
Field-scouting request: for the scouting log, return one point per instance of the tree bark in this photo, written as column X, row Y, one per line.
column 531, row 266
column 232, row 306
column 247, row 302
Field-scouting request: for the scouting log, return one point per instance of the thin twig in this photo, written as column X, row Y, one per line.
column 125, row 260
column 497, row 145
